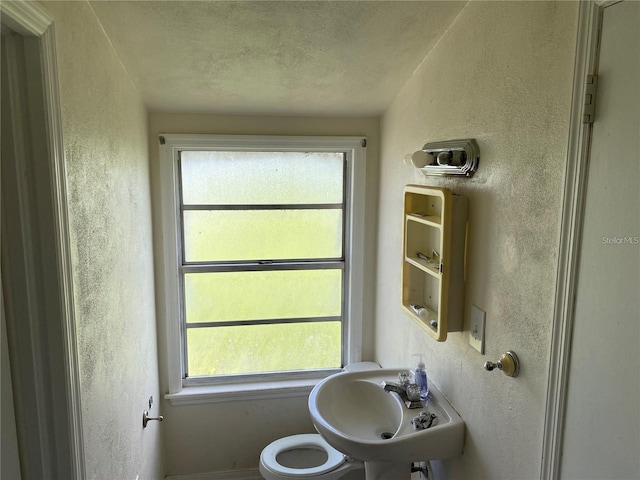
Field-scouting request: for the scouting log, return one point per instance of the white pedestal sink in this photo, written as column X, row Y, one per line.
column 355, row 415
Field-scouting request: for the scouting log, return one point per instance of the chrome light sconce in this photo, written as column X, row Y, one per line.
column 451, row 157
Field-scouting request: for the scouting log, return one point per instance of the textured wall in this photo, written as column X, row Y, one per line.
column 501, row 74
column 105, row 136
column 249, row 426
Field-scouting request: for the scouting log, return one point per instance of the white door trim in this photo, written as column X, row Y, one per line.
column 30, row 20
column 575, row 183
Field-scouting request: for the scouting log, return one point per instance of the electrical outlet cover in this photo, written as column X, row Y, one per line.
column 476, row 329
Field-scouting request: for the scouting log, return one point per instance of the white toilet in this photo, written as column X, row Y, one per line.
column 306, row 456
column 309, row 456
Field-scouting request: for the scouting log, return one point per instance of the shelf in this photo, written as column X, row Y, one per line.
column 435, row 223
column 430, row 220
column 425, row 266
column 424, row 322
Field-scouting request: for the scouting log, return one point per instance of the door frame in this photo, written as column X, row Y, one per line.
column 30, row 21
column 571, row 225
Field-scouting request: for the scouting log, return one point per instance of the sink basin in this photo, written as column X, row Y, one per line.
column 355, row 415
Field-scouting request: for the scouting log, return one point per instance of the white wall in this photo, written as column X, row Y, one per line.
column 227, row 436
column 501, row 74
column 105, row 139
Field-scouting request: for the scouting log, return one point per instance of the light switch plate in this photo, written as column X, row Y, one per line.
column 476, row 329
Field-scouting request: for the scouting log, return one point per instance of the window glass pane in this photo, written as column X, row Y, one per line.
column 259, row 178
column 220, row 296
column 262, row 234
column 264, row 348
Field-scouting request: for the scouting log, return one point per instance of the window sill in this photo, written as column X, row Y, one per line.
column 201, row 394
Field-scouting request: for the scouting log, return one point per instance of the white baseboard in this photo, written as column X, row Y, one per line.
column 248, row 474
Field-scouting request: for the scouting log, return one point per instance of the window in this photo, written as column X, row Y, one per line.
column 263, row 256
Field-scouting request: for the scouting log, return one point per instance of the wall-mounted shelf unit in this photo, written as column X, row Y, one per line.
column 433, row 267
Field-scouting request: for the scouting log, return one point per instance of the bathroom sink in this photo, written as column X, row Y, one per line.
column 355, row 415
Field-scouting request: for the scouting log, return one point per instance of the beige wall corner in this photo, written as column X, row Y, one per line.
column 502, row 74
column 105, row 137
column 250, row 425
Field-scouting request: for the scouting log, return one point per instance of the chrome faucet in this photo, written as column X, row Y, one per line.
column 395, row 387
column 409, row 392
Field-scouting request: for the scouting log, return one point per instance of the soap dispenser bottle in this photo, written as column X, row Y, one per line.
column 421, row 377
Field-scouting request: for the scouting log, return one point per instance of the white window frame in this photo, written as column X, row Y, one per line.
column 183, row 391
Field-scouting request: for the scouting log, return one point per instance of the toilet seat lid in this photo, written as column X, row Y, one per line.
column 270, row 454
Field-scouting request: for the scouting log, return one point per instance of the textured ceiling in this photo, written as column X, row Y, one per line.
column 273, row 57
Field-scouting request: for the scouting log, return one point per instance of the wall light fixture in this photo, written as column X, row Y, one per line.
column 451, row 157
